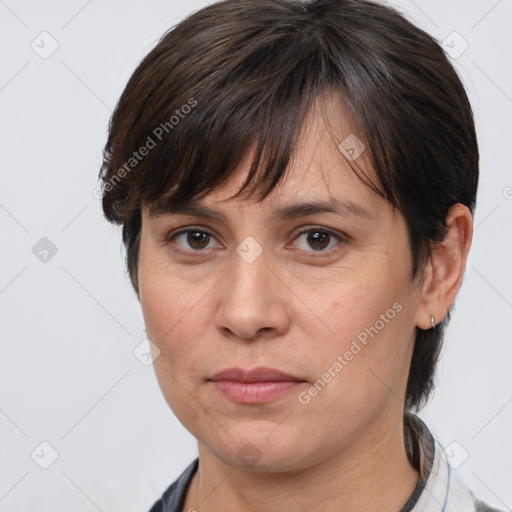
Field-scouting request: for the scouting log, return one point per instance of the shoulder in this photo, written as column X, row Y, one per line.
column 440, row 487
column 174, row 496
column 457, row 495
column 480, row 506
column 158, row 506
column 461, row 497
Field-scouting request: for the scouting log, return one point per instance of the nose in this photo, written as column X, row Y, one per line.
column 252, row 301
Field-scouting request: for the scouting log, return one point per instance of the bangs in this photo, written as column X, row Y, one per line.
column 243, row 96
column 263, row 113
column 236, row 119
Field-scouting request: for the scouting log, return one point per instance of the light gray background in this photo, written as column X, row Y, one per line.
column 68, row 328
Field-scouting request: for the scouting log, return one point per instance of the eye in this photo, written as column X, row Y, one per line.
column 319, row 239
column 198, row 240
column 192, row 239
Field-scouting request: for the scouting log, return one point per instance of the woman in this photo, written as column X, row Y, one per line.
column 296, row 183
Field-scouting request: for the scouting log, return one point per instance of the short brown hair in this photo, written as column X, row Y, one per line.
column 242, row 74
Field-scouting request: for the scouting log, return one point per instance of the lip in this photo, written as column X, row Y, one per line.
column 254, row 386
column 258, row 374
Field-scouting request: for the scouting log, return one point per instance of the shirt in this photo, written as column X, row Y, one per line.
column 438, row 489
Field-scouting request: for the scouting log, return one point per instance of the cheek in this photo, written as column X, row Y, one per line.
column 371, row 325
column 357, row 303
column 176, row 311
column 165, row 294
column 162, row 304
column 172, row 316
column 172, row 325
column 167, row 306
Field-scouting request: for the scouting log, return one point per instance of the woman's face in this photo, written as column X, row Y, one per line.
column 334, row 308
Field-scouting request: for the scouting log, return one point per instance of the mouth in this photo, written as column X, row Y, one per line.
column 254, row 386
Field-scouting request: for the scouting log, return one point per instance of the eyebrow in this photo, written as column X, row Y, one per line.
column 344, row 208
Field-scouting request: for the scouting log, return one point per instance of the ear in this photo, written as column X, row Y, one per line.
column 444, row 272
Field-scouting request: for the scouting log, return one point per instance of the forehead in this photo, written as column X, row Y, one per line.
column 324, row 173
column 327, row 165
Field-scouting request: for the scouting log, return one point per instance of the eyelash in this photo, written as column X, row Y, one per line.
column 203, row 252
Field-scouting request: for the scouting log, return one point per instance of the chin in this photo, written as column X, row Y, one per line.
column 258, row 451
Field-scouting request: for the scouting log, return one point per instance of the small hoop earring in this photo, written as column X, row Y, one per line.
column 432, row 322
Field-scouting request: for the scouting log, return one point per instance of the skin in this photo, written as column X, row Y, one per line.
column 297, row 310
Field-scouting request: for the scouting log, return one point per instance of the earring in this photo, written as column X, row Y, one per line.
column 432, row 322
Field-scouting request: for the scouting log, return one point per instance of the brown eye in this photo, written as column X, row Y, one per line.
column 192, row 240
column 197, row 239
column 318, row 239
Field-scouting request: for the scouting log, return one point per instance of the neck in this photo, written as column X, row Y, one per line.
column 372, row 473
